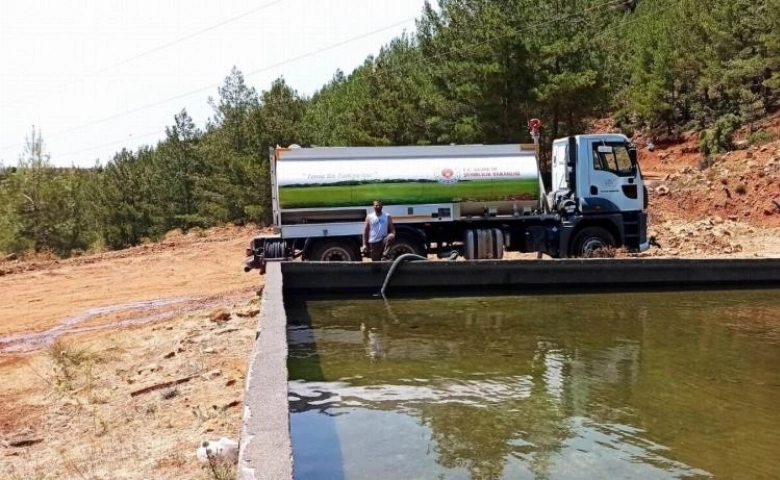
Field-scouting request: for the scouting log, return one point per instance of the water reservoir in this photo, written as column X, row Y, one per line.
column 576, row 386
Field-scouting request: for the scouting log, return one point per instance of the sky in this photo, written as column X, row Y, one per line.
column 96, row 76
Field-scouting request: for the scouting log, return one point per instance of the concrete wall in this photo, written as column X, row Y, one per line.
column 266, row 451
column 531, row 275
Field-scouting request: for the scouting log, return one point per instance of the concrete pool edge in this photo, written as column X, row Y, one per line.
column 265, row 444
column 265, row 449
column 522, row 275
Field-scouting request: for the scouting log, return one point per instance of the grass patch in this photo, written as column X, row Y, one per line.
column 169, row 393
column 603, row 252
column 72, row 366
column 220, row 470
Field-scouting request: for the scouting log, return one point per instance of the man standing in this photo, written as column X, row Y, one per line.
column 378, row 233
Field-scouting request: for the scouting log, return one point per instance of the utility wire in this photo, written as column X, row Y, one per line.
column 330, row 47
column 336, row 45
column 115, row 142
column 469, row 50
column 208, row 87
column 141, row 55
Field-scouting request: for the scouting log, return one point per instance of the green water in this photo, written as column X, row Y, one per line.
column 591, row 386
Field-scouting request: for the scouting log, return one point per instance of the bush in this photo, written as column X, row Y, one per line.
column 719, row 138
column 602, row 252
column 761, row 136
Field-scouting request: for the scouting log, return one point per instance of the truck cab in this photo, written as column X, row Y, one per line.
column 598, row 189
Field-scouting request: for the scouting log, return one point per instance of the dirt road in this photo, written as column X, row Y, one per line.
column 192, row 267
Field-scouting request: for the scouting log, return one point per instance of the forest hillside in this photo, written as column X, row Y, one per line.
column 667, row 71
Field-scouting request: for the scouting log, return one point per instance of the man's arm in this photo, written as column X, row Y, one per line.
column 390, row 228
column 366, row 229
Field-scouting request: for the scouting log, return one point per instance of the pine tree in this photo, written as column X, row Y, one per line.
column 180, row 171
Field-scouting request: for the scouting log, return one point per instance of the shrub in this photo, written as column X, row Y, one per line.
column 719, row 138
column 72, row 366
column 602, row 252
column 761, row 136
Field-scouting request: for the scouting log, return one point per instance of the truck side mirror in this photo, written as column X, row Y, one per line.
column 571, row 164
column 571, row 158
column 632, row 154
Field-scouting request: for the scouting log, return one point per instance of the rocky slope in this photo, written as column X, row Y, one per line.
column 726, row 205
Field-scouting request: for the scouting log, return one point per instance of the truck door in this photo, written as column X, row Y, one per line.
column 614, row 181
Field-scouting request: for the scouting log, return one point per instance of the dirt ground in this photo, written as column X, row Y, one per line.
column 177, row 318
column 117, row 365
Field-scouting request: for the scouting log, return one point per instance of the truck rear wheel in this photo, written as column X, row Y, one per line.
column 334, row 251
column 591, row 239
column 405, row 244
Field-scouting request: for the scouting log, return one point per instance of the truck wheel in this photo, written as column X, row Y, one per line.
column 590, row 239
column 405, row 244
column 334, row 251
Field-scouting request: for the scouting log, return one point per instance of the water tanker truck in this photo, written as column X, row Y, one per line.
column 476, row 200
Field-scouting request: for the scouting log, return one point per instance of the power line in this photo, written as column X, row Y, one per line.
column 330, row 47
column 199, row 90
column 141, row 55
column 115, row 142
column 470, row 48
column 207, row 87
column 523, row 30
column 467, row 50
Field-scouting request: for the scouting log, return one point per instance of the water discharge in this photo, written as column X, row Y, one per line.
column 129, row 314
column 651, row 385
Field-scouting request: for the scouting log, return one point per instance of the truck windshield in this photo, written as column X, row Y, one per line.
column 612, row 157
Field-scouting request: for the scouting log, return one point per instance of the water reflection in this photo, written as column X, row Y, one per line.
column 372, row 341
column 582, row 386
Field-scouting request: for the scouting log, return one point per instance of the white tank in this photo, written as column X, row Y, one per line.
column 355, row 176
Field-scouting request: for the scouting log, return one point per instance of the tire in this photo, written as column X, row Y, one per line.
column 334, row 251
column 591, row 239
column 405, row 244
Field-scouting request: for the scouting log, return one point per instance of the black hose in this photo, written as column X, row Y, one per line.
column 396, row 262
column 274, row 250
column 410, row 257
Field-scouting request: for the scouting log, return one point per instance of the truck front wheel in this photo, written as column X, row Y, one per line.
column 334, row 251
column 591, row 239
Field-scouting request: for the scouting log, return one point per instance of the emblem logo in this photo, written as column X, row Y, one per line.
column 447, row 176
